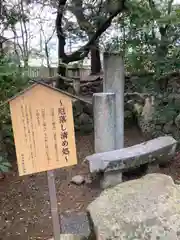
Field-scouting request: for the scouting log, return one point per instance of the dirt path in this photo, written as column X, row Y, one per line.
column 24, row 201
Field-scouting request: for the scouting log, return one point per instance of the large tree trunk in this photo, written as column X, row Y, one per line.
column 59, row 80
column 62, row 58
column 95, row 59
column 82, row 52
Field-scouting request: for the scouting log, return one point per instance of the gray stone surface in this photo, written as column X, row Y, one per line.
column 104, row 121
column 152, row 167
column 76, row 85
column 160, row 149
column 84, row 118
column 168, row 127
column 75, row 223
column 114, row 82
column 78, row 179
column 69, row 237
column 111, row 179
column 177, row 121
column 143, row 209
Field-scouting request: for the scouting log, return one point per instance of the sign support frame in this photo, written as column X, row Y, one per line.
column 54, row 205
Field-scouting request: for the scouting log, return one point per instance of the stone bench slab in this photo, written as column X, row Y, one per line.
column 160, row 149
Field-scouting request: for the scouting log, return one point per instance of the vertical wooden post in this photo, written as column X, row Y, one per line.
column 114, row 82
column 54, row 205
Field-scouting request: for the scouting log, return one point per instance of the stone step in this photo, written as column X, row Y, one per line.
column 75, row 223
column 69, row 237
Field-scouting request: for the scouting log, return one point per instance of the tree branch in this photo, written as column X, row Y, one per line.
column 59, row 30
column 83, row 51
column 77, row 9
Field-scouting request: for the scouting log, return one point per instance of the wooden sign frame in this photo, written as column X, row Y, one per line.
column 43, row 128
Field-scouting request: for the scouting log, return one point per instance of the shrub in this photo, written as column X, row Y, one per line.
column 12, row 80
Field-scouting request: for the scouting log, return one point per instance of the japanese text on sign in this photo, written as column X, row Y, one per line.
column 64, row 133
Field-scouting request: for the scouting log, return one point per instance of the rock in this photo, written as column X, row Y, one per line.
column 84, row 123
column 177, row 181
column 110, row 179
column 127, row 114
column 158, row 127
column 128, row 117
column 147, row 127
column 84, row 118
column 148, row 109
column 88, row 179
column 138, row 108
column 157, row 133
column 77, row 108
column 88, row 109
column 177, row 121
column 175, row 132
column 162, row 119
column 147, row 208
column 177, row 101
column 78, row 179
column 70, row 90
column 70, row 237
column 168, row 127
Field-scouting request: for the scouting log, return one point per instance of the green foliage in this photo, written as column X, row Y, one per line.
column 11, row 82
column 164, row 114
column 5, row 165
column 149, row 34
column 11, row 79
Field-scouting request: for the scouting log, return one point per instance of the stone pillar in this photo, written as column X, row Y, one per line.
column 114, row 82
column 104, row 121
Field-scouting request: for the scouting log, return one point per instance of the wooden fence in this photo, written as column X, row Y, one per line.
column 35, row 72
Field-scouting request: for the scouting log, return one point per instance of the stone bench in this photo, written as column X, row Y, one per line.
column 113, row 163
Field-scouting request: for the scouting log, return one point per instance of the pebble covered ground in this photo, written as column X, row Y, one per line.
column 24, row 201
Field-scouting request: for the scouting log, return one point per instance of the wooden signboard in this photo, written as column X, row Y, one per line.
column 43, row 127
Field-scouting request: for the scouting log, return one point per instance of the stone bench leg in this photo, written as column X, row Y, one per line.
column 111, row 179
column 153, row 167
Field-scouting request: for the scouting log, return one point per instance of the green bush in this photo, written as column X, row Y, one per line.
column 12, row 81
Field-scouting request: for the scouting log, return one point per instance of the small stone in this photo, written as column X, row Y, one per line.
column 177, row 121
column 177, row 101
column 84, row 123
column 78, row 179
column 127, row 114
column 168, row 127
column 70, row 90
column 177, row 181
column 88, row 180
column 158, row 127
column 84, row 118
column 77, row 108
column 88, row 109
